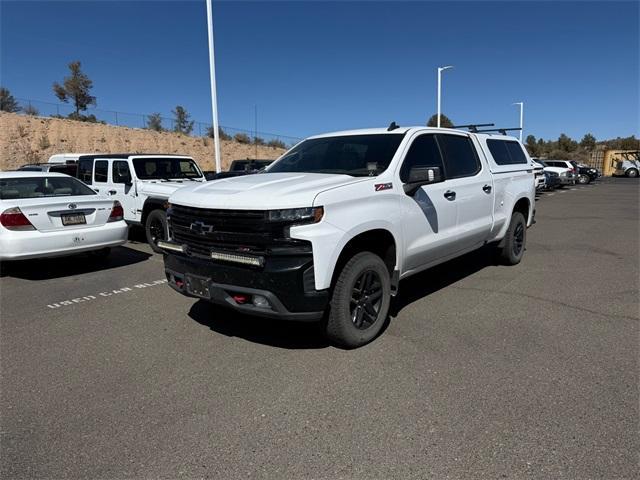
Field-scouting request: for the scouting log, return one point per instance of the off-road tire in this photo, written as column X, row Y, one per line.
column 513, row 246
column 341, row 321
column 155, row 219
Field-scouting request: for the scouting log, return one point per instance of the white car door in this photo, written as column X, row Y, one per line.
column 122, row 185
column 471, row 183
column 430, row 214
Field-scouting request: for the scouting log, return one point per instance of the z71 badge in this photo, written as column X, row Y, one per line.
column 383, row 186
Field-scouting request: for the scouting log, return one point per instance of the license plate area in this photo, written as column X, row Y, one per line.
column 73, row 219
column 198, row 286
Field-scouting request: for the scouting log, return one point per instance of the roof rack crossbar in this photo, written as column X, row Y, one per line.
column 503, row 131
column 473, row 127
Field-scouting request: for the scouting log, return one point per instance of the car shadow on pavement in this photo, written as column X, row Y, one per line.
column 59, row 267
column 441, row 276
column 266, row 331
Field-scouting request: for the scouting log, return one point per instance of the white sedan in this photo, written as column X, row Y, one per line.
column 51, row 214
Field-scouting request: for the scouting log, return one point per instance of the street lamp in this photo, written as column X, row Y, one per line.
column 521, row 116
column 214, row 99
column 440, row 70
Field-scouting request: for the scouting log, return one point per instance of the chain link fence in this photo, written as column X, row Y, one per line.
column 153, row 122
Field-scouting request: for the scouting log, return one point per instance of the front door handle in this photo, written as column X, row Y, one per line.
column 487, row 189
column 112, row 192
column 449, row 195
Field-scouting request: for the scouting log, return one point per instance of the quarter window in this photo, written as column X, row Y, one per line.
column 506, row 152
column 423, row 153
column 459, row 156
column 101, row 171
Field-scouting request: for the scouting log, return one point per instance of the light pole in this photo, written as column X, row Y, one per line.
column 440, row 70
column 214, row 99
column 521, row 116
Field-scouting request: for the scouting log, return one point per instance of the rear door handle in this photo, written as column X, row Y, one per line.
column 487, row 189
column 449, row 195
column 112, row 192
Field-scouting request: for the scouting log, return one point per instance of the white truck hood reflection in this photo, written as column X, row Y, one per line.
column 262, row 191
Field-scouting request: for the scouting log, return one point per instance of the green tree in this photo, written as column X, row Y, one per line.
column 566, row 143
column 154, row 122
column 445, row 122
column 7, row 102
column 588, row 142
column 182, row 123
column 76, row 87
column 532, row 145
column 31, row 110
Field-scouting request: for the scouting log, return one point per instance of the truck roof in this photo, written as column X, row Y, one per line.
column 411, row 129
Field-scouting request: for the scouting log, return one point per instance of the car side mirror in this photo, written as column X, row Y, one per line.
column 419, row 176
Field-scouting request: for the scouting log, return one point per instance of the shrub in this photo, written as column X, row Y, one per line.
column 223, row 134
column 31, row 110
column 258, row 141
column 275, row 143
column 44, row 143
column 242, row 138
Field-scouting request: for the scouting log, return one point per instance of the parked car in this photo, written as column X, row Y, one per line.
column 70, row 168
column 551, row 180
column 141, row 183
column 332, row 226
column 538, row 175
column 565, row 174
column 52, row 214
column 586, row 174
column 630, row 166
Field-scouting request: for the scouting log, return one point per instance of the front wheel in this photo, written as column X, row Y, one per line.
column 155, row 228
column 583, row 179
column 514, row 242
column 360, row 301
column 631, row 173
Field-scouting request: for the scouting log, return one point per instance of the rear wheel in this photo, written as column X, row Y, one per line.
column 360, row 301
column 631, row 173
column 155, row 228
column 513, row 245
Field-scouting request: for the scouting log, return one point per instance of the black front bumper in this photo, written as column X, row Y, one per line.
column 285, row 281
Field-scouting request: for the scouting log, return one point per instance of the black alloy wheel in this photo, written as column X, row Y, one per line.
column 366, row 300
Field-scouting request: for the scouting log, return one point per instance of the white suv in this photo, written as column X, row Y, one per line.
column 332, row 226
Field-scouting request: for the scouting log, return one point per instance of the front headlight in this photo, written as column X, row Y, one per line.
column 297, row 215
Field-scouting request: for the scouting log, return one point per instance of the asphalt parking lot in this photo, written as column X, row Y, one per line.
column 484, row 371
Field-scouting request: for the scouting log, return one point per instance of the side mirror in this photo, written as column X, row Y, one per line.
column 419, row 176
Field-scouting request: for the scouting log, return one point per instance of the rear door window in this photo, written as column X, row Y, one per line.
column 85, row 170
column 460, row 159
column 101, row 172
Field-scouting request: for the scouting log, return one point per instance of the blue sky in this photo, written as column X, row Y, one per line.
column 313, row 67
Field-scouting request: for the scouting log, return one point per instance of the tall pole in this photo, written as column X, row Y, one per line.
column 255, row 138
column 521, row 117
column 440, row 70
column 214, row 98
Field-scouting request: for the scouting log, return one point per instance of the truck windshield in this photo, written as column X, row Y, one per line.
column 355, row 155
column 165, row 168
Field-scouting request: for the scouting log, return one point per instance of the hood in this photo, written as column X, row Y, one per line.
column 160, row 188
column 262, row 191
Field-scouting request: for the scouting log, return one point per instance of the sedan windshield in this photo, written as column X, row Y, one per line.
column 164, row 168
column 355, row 155
column 34, row 187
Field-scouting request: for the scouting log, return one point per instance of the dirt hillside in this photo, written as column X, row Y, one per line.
column 25, row 139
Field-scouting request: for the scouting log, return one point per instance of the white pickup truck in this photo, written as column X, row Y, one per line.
column 330, row 228
column 142, row 183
